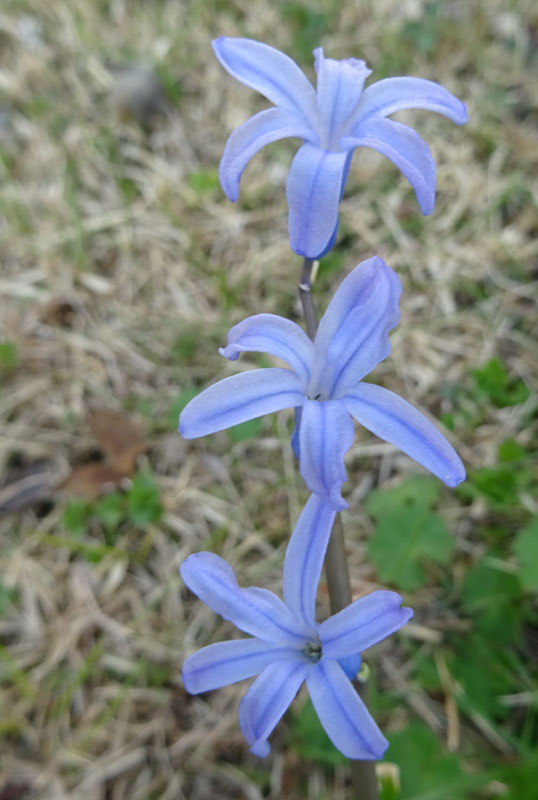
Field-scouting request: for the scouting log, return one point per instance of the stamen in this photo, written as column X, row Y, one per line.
column 313, row 651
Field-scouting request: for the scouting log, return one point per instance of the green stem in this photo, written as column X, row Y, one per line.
column 362, row 772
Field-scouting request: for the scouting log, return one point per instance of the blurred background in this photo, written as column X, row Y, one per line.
column 122, row 266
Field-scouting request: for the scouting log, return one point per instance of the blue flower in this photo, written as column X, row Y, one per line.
column 288, row 645
column 332, row 122
column 325, row 385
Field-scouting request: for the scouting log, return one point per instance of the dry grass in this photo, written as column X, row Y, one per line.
column 105, row 221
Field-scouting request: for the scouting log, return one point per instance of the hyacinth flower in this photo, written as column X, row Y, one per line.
column 325, row 385
column 332, row 121
column 288, row 647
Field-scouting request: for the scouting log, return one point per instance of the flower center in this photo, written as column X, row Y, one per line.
column 313, row 651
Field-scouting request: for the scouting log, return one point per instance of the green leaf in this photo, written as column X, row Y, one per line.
column 426, row 771
column 526, row 550
column 493, row 381
column 76, row 518
column 245, row 430
column 143, row 501
column 407, row 533
column 204, row 181
column 8, row 355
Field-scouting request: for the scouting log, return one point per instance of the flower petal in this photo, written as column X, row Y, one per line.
column 266, row 701
column 314, row 188
column 394, row 94
column 266, row 127
column 338, row 91
column 353, row 333
column 404, row 148
column 325, row 436
column 240, row 398
column 398, row 422
column 256, row 611
column 223, row 663
column 365, row 622
column 269, row 72
column 269, row 333
column 304, row 558
column 342, row 713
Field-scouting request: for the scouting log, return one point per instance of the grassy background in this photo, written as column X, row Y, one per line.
column 122, row 267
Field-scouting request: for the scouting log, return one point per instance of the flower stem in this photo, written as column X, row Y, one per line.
column 362, row 772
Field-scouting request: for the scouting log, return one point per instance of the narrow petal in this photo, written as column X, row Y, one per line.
column 240, row 398
column 353, row 333
column 266, row 701
column 398, row 422
column 269, row 333
column 338, row 91
column 394, row 94
column 314, row 188
column 223, row 663
column 325, row 436
column 256, row 611
column 266, row 127
column 365, row 622
column 304, row 558
column 269, row 72
column 404, row 148
column 342, row 713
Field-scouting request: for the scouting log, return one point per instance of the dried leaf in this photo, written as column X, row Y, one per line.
column 120, row 438
column 58, row 312
column 92, row 480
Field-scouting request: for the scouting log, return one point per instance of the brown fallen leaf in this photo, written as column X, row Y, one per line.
column 120, row 438
column 92, row 480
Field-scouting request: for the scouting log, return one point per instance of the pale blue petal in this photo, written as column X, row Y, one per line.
column 338, row 91
column 304, row 558
column 256, row 611
column 266, row 127
column 394, row 94
column 297, row 413
column 240, row 398
column 342, row 713
column 314, row 188
column 365, row 622
column 351, row 665
column 325, row 436
column 269, row 72
column 398, row 422
column 404, row 148
column 267, row 700
column 223, row 663
column 353, row 333
column 269, row 333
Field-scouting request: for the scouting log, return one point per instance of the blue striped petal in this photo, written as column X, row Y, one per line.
column 339, row 88
column 398, row 422
column 325, row 436
column 266, row 127
column 404, row 148
column 365, row 622
column 239, row 398
column 256, row 611
column 269, row 333
column 314, row 188
column 353, row 333
column 304, row 558
column 270, row 72
column 394, row 94
column 267, row 700
column 223, row 663
column 346, row 720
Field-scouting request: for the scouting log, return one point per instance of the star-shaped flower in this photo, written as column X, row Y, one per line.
column 289, row 646
column 332, row 122
column 325, row 385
